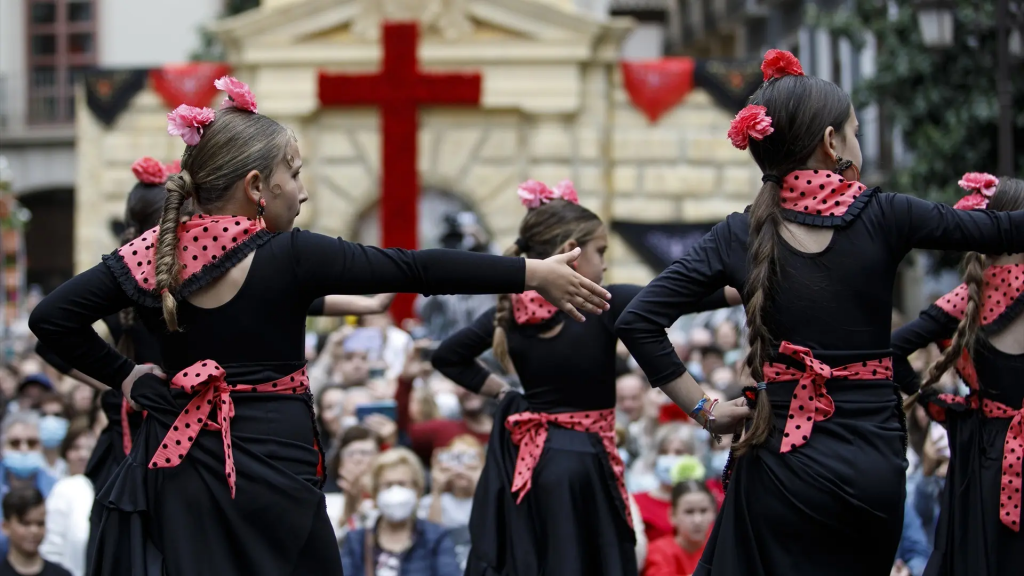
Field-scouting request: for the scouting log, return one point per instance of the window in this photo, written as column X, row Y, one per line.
column 79, row 11
column 61, row 38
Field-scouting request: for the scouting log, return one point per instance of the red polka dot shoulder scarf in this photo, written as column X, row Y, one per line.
column 1002, row 299
column 208, row 246
column 822, row 198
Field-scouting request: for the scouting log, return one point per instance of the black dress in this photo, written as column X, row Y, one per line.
column 978, row 532
column 574, row 519
column 182, row 520
column 835, row 504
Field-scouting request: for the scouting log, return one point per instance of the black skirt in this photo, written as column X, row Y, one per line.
column 182, row 521
column 970, row 540
column 832, row 506
column 572, row 522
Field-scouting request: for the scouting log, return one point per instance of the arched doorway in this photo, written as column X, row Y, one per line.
column 441, row 216
column 49, row 237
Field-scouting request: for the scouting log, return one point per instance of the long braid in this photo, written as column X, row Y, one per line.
column 179, row 188
column 765, row 224
column 502, row 316
column 966, row 334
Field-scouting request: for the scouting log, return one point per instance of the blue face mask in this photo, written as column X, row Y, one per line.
column 663, row 467
column 717, row 460
column 23, row 464
column 52, row 430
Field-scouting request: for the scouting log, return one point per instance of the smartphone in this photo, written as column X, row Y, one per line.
column 376, row 373
column 387, row 408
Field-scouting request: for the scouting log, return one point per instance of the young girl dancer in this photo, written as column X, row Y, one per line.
column 982, row 323
column 819, row 487
column 551, row 498
column 224, row 475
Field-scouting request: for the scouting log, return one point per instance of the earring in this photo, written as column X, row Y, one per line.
column 842, row 165
column 261, row 207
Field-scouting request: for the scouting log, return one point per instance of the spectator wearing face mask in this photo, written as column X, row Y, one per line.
column 691, row 516
column 23, row 464
column 455, row 471
column 349, row 470
column 399, row 544
column 24, row 527
column 69, row 505
column 673, row 441
column 53, row 427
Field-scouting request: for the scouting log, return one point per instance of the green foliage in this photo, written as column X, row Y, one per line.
column 943, row 100
column 210, row 49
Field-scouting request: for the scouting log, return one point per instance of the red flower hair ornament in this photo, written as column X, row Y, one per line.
column 533, row 193
column 779, row 63
column 751, row 122
column 149, row 171
column 981, row 186
column 173, row 167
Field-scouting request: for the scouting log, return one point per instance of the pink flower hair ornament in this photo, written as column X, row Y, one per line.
column 149, row 171
column 188, row 122
column 981, row 186
column 533, row 193
column 751, row 122
column 239, row 95
column 779, row 63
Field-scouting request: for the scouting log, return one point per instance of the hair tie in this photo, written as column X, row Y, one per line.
column 164, row 291
column 522, row 245
column 762, row 385
column 771, row 178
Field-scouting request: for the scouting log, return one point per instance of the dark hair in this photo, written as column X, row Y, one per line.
column 141, row 213
column 19, row 501
column 234, row 144
column 1009, row 197
column 543, row 231
column 320, row 403
column 54, row 398
column 688, row 487
column 801, row 109
column 353, row 434
column 77, row 429
column 712, row 349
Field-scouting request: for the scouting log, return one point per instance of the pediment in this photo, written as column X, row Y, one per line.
column 347, row 31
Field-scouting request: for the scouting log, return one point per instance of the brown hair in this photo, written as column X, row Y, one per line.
column 1009, row 197
column 801, row 109
column 543, row 232
column 234, row 144
column 75, row 431
column 142, row 212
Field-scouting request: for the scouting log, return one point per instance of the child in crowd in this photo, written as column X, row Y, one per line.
column 693, row 513
column 25, row 525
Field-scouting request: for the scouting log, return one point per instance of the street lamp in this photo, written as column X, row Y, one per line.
column 935, row 20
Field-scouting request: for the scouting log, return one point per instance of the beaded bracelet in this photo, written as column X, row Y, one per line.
column 699, row 407
column 703, row 407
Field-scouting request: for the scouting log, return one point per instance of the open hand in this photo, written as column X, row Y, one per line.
column 136, row 373
column 562, row 286
column 384, row 427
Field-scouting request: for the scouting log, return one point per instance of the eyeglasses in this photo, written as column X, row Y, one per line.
column 23, row 443
column 358, row 453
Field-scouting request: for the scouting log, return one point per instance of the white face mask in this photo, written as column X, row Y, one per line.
column 397, row 503
column 717, row 460
column 348, row 422
column 448, row 405
column 663, row 467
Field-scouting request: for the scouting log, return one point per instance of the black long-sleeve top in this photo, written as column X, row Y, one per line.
column 264, row 322
column 837, row 300
column 572, row 371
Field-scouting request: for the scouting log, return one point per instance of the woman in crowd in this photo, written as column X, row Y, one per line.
column 563, row 480
column 53, row 427
column 228, row 454
column 691, row 515
column 398, row 542
column 673, row 441
column 454, row 472
column 351, row 462
column 981, row 326
column 22, row 465
column 817, row 255
column 69, row 506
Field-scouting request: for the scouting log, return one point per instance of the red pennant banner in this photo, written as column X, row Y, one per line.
column 190, row 84
column 657, row 86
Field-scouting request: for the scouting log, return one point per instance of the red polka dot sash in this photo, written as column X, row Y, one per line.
column 530, row 431
column 201, row 241
column 1013, row 449
column 819, row 192
column 1002, row 287
column 811, row 402
column 531, row 308
column 207, row 381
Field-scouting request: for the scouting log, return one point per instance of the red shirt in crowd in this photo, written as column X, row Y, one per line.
column 666, row 558
column 655, row 513
column 424, row 437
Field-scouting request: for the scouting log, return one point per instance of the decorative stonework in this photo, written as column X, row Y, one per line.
column 449, row 18
column 553, row 107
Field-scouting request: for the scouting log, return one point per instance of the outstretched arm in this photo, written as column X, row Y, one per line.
column 918, row 223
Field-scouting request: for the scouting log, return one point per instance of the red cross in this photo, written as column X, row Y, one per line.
column 399, row 89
